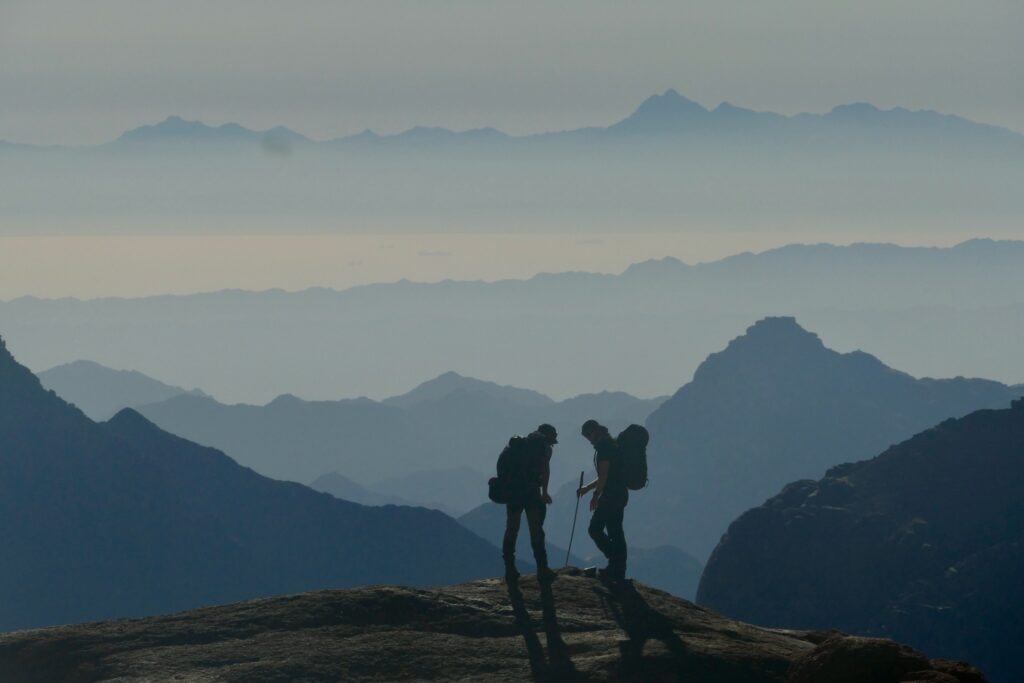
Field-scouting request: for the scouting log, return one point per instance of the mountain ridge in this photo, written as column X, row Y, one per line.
column 664, row 113
column 117, row 519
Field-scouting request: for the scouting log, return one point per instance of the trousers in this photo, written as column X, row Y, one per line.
column 536, row 512
column 609, row 536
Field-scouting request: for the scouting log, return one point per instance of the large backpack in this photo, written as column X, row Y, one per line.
column 632, row 443
column 512, row 471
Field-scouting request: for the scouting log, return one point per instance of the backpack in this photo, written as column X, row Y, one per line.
column 512, row 475
column 632, row 443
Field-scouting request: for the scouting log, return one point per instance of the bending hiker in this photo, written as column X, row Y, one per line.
column 522, row 484
column 609, row 501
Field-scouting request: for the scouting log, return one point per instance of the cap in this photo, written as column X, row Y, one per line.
column 549, row 432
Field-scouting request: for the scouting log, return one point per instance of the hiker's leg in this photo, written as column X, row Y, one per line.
column 596, row 531
column 535, row 515
column 513, row 516
column 617, row 540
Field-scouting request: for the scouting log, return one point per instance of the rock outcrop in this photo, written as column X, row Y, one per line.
column 923, row 544
column 578, row 629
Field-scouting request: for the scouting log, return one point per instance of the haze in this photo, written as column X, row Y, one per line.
column 82, row 73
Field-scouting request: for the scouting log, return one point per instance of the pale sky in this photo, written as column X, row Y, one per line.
column 74, row 72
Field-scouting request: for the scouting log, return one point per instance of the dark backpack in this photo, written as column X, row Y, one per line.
column 632, row 443
column 512, row 471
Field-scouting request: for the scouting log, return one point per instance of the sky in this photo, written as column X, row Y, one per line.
column 75, row 72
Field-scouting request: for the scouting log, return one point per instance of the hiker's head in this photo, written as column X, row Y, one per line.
column 593, row 431
column 549, row 433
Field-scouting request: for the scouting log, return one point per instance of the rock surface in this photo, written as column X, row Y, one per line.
column 580, row 629
column 577, row 629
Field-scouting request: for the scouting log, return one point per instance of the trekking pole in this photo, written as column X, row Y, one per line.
column 573, row 532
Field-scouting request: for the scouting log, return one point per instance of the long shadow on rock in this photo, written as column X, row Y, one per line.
column 557, row 666
column 643, row 623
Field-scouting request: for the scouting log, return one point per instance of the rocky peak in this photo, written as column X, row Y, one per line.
column 577, row 629
column 766, row 344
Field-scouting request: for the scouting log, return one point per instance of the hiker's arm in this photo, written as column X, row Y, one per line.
column 602, row 479
column 545, row 477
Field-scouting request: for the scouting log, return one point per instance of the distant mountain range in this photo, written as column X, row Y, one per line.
column 434, row 446
column 666, row 114
column 672, row 164
column 121, row 519
column 101, row 392
column 937, row 312
column 923, row 543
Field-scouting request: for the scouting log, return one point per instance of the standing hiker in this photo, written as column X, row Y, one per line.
column 523, row 473
column 609, row 501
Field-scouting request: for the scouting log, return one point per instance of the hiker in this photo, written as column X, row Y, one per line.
column 526, row 473
column 609, row 501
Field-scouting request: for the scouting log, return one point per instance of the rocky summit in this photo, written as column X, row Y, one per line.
column 576, row 629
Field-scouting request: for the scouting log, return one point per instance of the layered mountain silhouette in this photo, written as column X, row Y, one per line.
column 672, row 162
column 340, row 486
column 576, row 630
column 101, row 392
column 435, row 445
column 122, row 519
column 665, row 114
column 924, row 543
column 176, row 131
column 936, row 312
column 774, row 406
column 445, row 385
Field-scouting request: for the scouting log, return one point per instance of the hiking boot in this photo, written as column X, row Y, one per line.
column 592, row 572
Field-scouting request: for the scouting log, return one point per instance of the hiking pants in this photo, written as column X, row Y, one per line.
column 609, row 537
column 536, row 511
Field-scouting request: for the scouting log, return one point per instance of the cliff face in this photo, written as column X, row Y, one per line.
column 579, row 629
column 924, row 544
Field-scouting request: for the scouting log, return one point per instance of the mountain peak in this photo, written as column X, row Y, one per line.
column 773, row 344
column 780, row 330
column 129, row 420
column 450, row 382
column 660, row 113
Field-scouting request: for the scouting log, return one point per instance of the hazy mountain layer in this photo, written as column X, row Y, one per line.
column 122, row 519
column 671, row 164
column 924, row 543
column 930, row 312
column 100, row 392
column 436, row 445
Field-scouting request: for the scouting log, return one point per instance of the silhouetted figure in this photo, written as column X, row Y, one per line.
column 609, row 501
column 527, row 468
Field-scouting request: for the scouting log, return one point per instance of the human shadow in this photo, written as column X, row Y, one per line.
column 642, row 623
column 556, row 665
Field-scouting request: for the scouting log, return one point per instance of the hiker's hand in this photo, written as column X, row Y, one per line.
column 580, row 491
column 547, row 498
column 593, row 502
